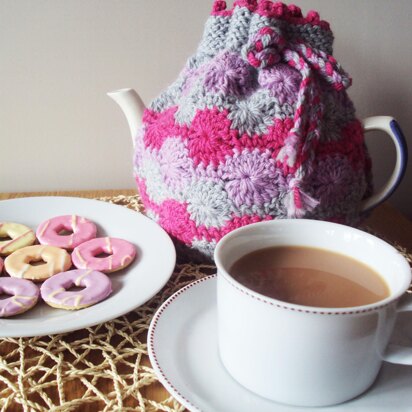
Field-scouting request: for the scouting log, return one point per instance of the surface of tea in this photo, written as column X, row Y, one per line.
column 310, row 276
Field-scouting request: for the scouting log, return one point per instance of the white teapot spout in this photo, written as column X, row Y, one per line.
column 132, row 106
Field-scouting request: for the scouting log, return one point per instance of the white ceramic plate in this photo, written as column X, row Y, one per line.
column 183, row 350
column 132, row 286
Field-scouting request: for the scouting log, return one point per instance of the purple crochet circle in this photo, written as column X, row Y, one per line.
column 283, row 82
column 251, row 178
column 229, row 74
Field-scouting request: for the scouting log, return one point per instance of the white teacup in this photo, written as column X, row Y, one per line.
column 304, row 355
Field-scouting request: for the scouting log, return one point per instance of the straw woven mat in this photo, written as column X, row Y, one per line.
column 109, row 361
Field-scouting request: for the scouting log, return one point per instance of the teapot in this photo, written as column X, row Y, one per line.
column 258, row 126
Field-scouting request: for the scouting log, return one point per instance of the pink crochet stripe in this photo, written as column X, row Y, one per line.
column 277, row 10
column 216, row 234
column 160, row 126
column 351, row 146
column 237, row 222
column 273, row 140
column 210, row 138
column 175, row 219
column 141, row 186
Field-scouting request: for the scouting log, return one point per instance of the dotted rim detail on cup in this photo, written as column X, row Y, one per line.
column 260, row 298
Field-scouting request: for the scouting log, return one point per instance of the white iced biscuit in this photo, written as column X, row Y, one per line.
column 19, row 264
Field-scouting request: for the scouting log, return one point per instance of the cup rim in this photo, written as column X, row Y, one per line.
column 221, row 271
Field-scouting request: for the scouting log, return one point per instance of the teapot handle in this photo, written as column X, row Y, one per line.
column 391, row 127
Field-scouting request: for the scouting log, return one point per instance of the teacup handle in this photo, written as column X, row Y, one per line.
column 401, row 355
column 391, row 127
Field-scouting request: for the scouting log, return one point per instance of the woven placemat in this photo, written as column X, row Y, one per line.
column 102, row 368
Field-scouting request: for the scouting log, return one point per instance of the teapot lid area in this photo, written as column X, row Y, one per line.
column 310, row 28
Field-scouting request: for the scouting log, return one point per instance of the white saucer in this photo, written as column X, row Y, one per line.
column 183, row 351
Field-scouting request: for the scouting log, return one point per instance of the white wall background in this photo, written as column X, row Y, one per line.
column 58, row 58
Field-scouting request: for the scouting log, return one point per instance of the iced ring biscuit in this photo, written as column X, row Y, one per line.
column 82, row 230
column 20, row 236
column 1, row 265
column 18, row 264
column 24, row 295
column 120, row 254
column 97, row 286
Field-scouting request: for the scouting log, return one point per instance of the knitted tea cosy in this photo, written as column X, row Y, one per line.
column 257, row 126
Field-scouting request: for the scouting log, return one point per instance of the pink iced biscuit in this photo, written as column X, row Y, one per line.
column 97, row 286
column 83, row 230
column 1, row 265
column 121, row 253
column 24, row 295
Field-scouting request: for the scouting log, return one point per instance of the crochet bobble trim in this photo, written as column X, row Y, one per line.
column 290, row 13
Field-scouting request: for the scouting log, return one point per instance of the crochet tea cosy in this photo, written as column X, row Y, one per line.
column 257, row 126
